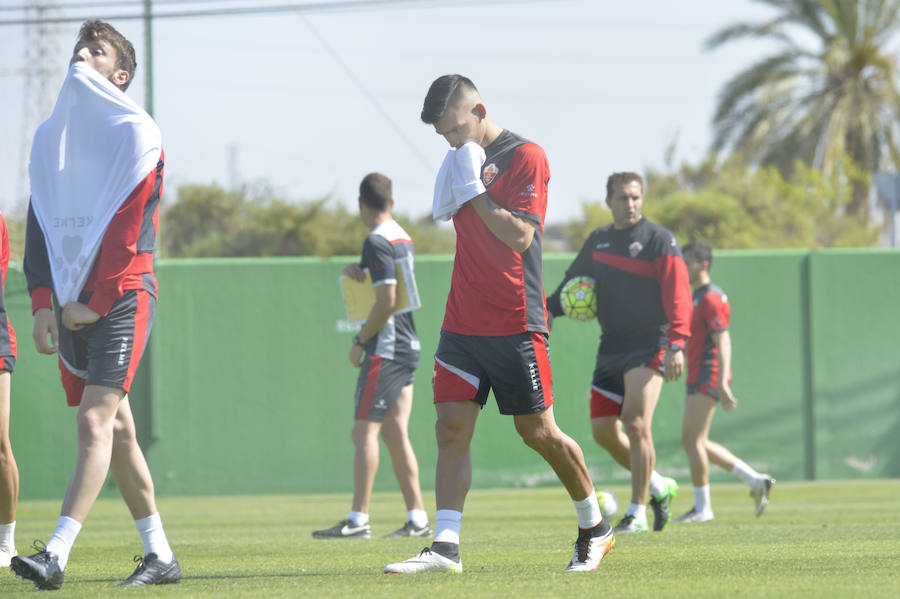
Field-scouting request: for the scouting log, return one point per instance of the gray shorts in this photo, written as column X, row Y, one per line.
column 378, row 387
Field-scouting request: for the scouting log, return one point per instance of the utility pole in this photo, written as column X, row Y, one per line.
column 148, row 56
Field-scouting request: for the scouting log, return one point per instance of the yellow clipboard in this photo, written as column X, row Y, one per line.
column 360, row 297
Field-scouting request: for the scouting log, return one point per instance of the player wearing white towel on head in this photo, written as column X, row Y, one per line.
column 709, row 381
column 101, row 334
column 494, row 335
column 386, row 351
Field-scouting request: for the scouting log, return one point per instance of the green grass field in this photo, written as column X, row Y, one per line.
column 823, row 539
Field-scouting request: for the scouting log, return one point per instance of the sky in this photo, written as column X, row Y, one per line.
column 310, row 103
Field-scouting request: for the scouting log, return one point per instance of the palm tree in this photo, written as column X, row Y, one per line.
column 829, row 92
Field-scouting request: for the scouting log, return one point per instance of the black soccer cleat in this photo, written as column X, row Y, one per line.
column 42, row 568
column 152, row 570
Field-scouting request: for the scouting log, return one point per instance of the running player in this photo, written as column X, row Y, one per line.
column 384, row 390
column 494, row 335
column 644, row 310
column 709, row 381
column 9, row 472
column 100, row 337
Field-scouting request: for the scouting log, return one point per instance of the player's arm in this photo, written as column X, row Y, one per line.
column 514, row 230
column 36, row 265
column 385, row 304
column 675, row 288
column 722, row 339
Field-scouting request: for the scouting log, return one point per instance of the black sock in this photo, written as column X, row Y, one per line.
column 600, row 529
column 448, row 550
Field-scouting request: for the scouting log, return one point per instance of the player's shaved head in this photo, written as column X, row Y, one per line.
column 376, row 191
column 448, row 91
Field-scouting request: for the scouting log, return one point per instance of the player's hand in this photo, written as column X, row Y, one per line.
column 76, row 315
column 356, row 355
column 726, row 397
column 355, row 272
column 45, row 324
column 674, row 364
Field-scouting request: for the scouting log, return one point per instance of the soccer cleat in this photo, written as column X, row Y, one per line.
column 590, row 548
column 410, row 530
column 630, row 523
column 42, row 568
column 426, row 561
column 152, row 570
column 6, row 557
column 661, row 504
column 695, row 516
column 760, row 494
column 345, row 529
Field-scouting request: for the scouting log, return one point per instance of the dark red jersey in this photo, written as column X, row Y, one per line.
column 7, row 334
column 641, row 283
column 711, row 315
column 125, row 259
column 495, row 290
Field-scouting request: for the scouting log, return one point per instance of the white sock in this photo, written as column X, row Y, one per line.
column 7, row 537
column 638, row 511
column 63, row 538
column 154, row 537
column 702, row 502
column 419, row 518
column 657, row 484
column 447, row 524
column 743, row 471
column 588, row 510
column 358, row 518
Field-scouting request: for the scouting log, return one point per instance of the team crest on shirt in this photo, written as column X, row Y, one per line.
column 489, row 173
column 635, row 248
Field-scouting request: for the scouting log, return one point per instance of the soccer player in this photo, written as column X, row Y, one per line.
column 9, row 472
column 644, row 310
column 100, row 336
column 494, row 334
column 384, row 390
column 709, row 381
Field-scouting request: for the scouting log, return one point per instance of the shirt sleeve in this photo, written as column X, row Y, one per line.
column 119, row 246
column 36, row 264
column 378, row 257
column 675, row 287
column 716, row 312
column 526, row 190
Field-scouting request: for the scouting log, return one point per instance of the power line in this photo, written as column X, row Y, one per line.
column 308, row 7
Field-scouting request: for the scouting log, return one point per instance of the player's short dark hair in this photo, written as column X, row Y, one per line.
column 376, row 192
column 617, row 180
column 445, row 92
column 97, row 30
column 698, row 250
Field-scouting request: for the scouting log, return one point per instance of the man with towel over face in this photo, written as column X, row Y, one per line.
column 96, row 176
column 494, row 183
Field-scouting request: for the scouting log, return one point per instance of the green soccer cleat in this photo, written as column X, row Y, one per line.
column 661, row 504
column 630, row 523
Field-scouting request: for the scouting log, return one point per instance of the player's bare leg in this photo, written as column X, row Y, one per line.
column 9, row 477
column 365, row 462
column 395, row 433
column 608, row 434
column 642, row 388
column 129, row 467
column 453, row 473
column 540, row 432
column 699, row 410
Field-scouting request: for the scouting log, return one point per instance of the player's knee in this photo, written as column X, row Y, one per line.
column 635, row 426
column 449, row 433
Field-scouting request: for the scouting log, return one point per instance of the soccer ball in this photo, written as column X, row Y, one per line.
column 608, row 503
column 578, row 299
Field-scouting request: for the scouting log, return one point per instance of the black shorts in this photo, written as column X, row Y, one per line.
column 516, row 367
column 608, row 384
column 7, row 363
column 378, row 387
column 106, row 352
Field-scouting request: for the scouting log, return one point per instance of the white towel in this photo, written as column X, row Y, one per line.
column 86, row 159
column 458, row 180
